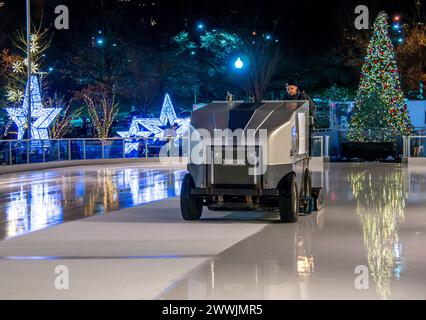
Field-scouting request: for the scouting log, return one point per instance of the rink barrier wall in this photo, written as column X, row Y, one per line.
column 29, row 155
column 416, row 162
column 415, row 151
column 77, row 163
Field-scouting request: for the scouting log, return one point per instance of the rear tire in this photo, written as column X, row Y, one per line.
column 307, row 184
column 191, row 207
column 308, row 205
column 288, row 201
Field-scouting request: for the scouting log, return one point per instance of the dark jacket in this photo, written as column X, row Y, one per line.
column 301, row 95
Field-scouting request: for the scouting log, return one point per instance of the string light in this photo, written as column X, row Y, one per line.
column 380, row 77
column 155, row 127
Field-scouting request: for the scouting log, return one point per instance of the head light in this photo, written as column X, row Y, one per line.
column 252, row 157
column 217, row 157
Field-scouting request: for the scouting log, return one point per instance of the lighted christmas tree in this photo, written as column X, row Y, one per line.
column 379, row 82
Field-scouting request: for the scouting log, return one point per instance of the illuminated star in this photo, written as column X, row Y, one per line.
column 41, row 118
column 155, row 127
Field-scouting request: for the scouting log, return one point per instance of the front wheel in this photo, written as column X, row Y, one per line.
column 289, row 200
column 191, row 207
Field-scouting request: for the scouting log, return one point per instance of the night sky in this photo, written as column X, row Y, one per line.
column 307, row 31
column 305, row 27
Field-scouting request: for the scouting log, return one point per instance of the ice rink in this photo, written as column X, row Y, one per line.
column 117, row 231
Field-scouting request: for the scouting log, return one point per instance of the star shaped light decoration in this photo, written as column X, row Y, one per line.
column 155, row 127
column 41, row 118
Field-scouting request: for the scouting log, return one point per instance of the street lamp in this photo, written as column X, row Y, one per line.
column 239, row 64
column 100, row 41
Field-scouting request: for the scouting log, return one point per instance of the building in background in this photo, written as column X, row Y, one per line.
column 417, row 111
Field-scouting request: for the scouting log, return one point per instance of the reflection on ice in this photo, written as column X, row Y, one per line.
column 45, row 200
column 365, row 206
column 381, row 200
column 34, row 213
column 277, row 263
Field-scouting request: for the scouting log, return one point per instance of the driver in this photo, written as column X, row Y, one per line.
column 293, row 93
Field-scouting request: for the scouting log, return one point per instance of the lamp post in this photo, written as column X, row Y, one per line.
column 239, row 64
column 101, row 43
column 200, row 26
column 196, row 88
column 29, row 66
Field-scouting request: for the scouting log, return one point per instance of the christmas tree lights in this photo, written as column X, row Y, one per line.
column 380, row 78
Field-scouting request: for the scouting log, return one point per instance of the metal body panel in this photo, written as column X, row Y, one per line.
column 198, row 172
column 274, row 174
column 282, row 122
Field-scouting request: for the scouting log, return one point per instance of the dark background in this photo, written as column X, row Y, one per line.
column 310, row 33
column 305, row 26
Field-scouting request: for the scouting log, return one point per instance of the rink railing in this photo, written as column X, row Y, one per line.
column 15, row 152
column 412, row 146
column 415, row 146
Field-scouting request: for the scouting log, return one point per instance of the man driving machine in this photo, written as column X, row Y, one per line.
column 293, row 93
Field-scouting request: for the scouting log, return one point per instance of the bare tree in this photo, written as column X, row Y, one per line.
column 411, row 57
column 14, row 66
column 101, row 106
column 144, row 77
column 62, row 124
column 264, row 59
column 91, row 63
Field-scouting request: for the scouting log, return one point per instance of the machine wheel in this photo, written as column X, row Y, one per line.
column 191, row 207
column 307, row 184
column 308, row 202
column 289, row 200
